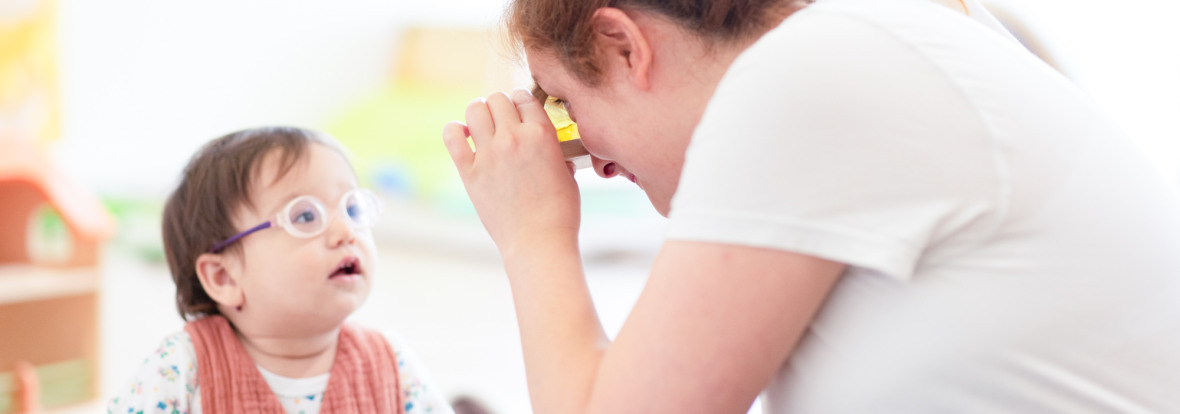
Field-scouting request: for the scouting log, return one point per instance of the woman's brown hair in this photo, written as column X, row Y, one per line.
column 563, row 26
column 214, row 184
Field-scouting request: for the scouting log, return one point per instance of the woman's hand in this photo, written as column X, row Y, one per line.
column 521, row 187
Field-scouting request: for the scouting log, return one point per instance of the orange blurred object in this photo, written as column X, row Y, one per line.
column 29, row 394
column 49, row 309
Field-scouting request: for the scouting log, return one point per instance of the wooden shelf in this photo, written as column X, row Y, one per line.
column 23, row 283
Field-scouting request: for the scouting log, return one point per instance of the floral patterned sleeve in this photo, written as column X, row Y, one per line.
column 419, row 394
column 165, row 383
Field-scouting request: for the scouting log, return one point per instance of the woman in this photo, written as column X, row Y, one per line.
column 874, row 206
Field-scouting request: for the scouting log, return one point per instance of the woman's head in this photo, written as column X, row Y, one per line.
column 249, row 177
column 637, row 75
column 565, row 27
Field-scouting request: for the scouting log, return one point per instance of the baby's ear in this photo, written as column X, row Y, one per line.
column 219, row 281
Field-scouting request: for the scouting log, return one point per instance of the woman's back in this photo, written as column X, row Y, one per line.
column 1010, row 250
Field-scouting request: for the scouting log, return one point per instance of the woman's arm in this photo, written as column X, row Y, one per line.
column 711, row 327
column 561, row 335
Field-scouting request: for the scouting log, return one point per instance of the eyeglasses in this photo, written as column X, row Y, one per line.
column 306, row 216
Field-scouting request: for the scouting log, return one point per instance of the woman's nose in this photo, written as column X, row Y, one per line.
column 604, row 168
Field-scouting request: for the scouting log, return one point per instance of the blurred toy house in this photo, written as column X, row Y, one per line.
column 51, row 232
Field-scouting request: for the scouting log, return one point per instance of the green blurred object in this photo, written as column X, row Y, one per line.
column 62, row 383
column 396, row 140
column 49, row 237
column 139, row 226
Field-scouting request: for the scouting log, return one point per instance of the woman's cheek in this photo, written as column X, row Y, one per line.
column 590, row 140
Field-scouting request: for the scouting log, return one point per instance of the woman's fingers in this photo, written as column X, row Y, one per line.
column 498, row 114
column 455, row 137
column 531, row 109
column 515, row 170
column 504, row 114
column 479, row 122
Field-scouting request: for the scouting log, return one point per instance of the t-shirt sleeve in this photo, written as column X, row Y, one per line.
column 165, row 383
column 835, row 138
column 419, row 393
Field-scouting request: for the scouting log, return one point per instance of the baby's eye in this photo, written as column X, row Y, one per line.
column 304, row 217
column 354, row 211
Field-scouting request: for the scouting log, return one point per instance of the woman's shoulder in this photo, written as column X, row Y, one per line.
column 923, row 30
column 868, row 59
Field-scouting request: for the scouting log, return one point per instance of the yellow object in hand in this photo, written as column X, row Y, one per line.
column 567, row 133
column 567, row 130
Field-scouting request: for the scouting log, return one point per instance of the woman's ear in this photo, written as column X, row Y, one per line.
column 220, row 279
column 622, row 45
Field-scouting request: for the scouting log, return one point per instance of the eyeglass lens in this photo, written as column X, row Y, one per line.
column 308, row 216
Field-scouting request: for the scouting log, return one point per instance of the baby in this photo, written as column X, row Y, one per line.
column 268, row 243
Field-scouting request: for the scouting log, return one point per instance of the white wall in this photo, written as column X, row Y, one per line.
column 146, row 82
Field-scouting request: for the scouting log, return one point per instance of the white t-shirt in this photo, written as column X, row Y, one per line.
column 1009, row 249
column 167, row 382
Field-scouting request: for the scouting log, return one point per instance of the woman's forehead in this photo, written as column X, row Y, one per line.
column 544, row 66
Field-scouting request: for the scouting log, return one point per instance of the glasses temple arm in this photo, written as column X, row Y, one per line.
column 217, row 248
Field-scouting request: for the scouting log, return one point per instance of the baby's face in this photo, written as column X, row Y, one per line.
column 295, row 286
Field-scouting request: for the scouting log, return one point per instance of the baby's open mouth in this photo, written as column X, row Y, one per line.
column 347, row 267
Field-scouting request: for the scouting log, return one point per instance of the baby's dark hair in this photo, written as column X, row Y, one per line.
column 214, row 184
